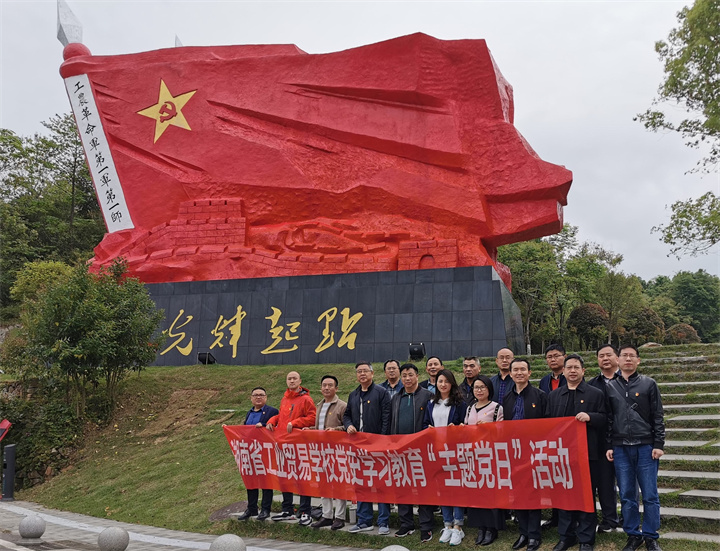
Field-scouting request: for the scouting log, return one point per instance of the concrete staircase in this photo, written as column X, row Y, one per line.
column 689, row 477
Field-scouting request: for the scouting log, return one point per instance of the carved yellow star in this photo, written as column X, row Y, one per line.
column 168, row 110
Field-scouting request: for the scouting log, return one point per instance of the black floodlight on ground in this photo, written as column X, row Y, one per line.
column 206, row 358
column 417, row 350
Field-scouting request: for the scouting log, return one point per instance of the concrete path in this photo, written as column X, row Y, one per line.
column 73, row 532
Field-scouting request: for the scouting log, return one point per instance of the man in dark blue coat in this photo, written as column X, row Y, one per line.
column 258, row 416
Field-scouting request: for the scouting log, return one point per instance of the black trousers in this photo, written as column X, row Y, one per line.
column 287, row 503
column 425, row 514
column 253, row 500
column 604, row 485
column 529, row 523
column 580, row 523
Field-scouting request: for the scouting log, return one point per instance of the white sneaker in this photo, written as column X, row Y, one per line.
column 457, row 536
column 383, row 530
column 446, row 534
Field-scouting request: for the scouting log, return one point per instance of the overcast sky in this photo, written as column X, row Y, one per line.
column 580, row 72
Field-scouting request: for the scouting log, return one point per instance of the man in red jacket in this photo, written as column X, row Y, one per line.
column 297, row 411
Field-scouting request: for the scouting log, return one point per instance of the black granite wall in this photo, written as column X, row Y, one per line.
column 454, row 311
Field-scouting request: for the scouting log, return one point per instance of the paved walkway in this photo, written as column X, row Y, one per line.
column 73, row 532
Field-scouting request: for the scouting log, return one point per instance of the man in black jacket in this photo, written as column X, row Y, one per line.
column 408, row 414
column 636, row 432
column 258, row 416
column 525, row 402
column 607, row 356
column 368, row 410
column 587, row 404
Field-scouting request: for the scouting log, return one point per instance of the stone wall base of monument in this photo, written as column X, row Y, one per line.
column 338, row 318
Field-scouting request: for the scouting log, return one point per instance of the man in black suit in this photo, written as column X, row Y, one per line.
column 258, row 416
column 587, row 404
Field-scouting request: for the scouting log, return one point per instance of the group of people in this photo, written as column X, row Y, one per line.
column 621, row 409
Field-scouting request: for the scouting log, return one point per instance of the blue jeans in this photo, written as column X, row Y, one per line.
column 452, row 515
column 635, row 466
column 365, row 513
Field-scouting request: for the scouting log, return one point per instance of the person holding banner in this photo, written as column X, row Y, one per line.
column 446, row 409
column 484, row 410
column 297, row 411
column 587, row 404
column 258, row 416
column 408, row 416
column 329, row 416
column 525, row 402
column 368, row 410
column 636, row 431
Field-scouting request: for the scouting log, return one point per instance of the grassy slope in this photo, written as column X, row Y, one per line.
column 164, row 460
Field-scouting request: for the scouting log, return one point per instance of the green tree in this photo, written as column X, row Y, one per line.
column 694, row 226
column 48, row 209
column 87, row 328
column 620, row 295
column 698, row 296
column 644, row 325
column 681, row 333
column 534, row 268
column 589, row 322
column 691, row 58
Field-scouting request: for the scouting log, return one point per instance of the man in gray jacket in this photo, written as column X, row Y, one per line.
column 408, row 413
column 636, row 434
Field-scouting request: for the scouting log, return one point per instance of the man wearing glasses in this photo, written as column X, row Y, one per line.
column 368, row 410
column 258, row 416
column 555, row 359
column 636, row 433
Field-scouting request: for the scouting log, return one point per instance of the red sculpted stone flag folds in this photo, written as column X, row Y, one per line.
column 268, row 161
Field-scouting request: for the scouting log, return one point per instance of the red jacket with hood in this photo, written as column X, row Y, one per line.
column 296, row 408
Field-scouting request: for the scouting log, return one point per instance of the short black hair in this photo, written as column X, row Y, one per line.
column 484, row 379
column 333, row 377
column 559, row 347
column 575, row 357
column 406, row 366
column 517, row 360
column 607, row 344
column 473, row 358
column 388, row 361
column 364, row 363
column 258, row 388
column 431, row 357
column 624, row 346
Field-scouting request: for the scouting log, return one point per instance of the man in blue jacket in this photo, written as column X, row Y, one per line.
column 258, row 416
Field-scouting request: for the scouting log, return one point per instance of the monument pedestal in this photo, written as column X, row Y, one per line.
column 338, row 318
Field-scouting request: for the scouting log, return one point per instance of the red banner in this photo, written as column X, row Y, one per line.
column 532, row 464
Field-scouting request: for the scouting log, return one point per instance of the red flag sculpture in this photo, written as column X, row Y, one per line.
column 253, row 161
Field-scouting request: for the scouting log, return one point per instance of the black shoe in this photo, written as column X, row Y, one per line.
column 633, row 543
column 322, row 523
column 587, row 547
column 264, row 515
column 490, row 536
column 480, row 536
column 425, row 535
column 545, row 524
column 521, row 542
column 652, row 545
column 605, row 528
column 247, row 514
column 404, row 532
column 564, row 545
column 337, row 524
column 534, row 545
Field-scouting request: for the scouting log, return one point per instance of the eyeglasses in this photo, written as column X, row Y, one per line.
column 258, row 395
column 480, row 388
column 363, row 371
column 553, row 356
column 628, row 356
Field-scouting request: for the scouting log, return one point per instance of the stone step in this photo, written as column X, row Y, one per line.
column 686, row 430
column 686, row 443
column 690, row 383
column 690, row 536
column 689, row 474
column 710, row 417
column 688, row 513
column 690, row 406
column 689, row 457
column 715, row 494
column 680, row 395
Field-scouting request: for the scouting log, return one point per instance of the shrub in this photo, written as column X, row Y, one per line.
column 681, row 333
